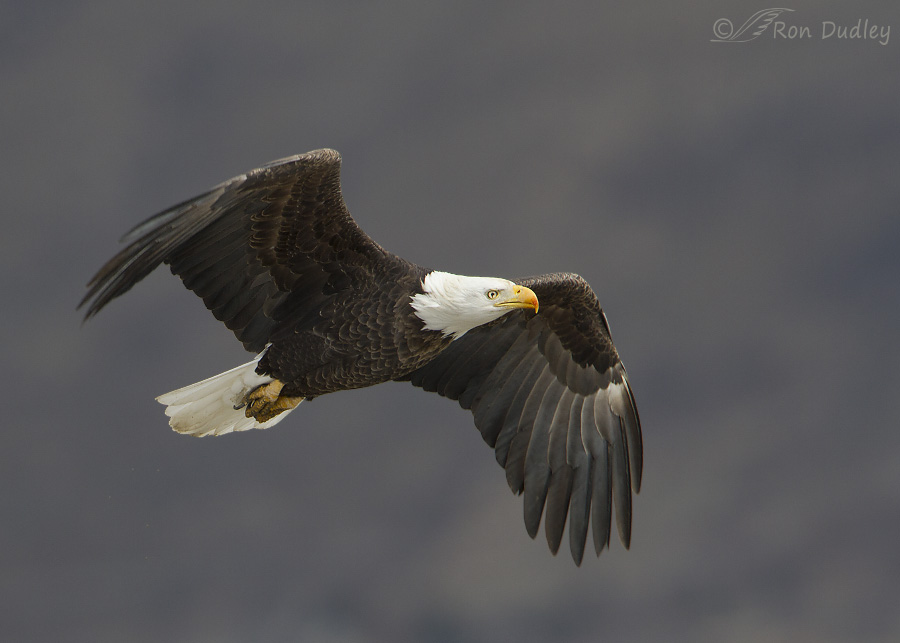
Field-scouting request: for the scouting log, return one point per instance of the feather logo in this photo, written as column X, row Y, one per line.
column 750, row 30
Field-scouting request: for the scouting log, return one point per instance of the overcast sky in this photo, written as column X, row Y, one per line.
column 733, row 204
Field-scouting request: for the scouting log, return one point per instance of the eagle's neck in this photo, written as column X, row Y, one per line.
column 445, row 304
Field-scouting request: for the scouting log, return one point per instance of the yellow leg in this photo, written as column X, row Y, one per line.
column 265, row 402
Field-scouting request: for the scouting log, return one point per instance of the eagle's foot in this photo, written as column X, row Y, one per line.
column 265, row 401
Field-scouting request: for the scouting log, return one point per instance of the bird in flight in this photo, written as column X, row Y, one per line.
column 276, row 256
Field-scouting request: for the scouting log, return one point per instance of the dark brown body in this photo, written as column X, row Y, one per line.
column 363, row 338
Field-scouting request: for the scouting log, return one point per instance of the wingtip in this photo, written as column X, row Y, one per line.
column 624, row 529
column 577, row 556
column 89, row 312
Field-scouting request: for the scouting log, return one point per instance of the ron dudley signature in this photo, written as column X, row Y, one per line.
column 862, row 30
column 769, row 21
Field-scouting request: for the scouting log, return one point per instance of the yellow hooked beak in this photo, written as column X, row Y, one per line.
column 523, row 298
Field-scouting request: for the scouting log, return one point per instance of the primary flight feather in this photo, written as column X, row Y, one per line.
column 276, row 256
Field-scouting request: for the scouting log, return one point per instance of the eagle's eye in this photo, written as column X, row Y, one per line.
column 492, row 294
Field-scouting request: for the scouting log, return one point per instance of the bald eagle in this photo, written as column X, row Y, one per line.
column 276, row 256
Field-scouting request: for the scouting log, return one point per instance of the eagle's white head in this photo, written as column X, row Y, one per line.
column 454, row 305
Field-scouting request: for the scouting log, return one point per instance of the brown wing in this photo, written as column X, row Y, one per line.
column 264, row 247
column 550, row 395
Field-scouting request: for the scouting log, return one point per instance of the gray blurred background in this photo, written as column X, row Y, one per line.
column 734, row 205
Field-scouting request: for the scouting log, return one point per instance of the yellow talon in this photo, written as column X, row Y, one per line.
column 265, row 401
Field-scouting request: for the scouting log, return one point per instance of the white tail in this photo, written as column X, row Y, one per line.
column 208, row 407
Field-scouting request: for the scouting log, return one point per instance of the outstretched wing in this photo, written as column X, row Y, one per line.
column 550, row 395
column 260, row 248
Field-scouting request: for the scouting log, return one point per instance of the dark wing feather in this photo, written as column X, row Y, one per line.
column 262, row 248
column 550, row 395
